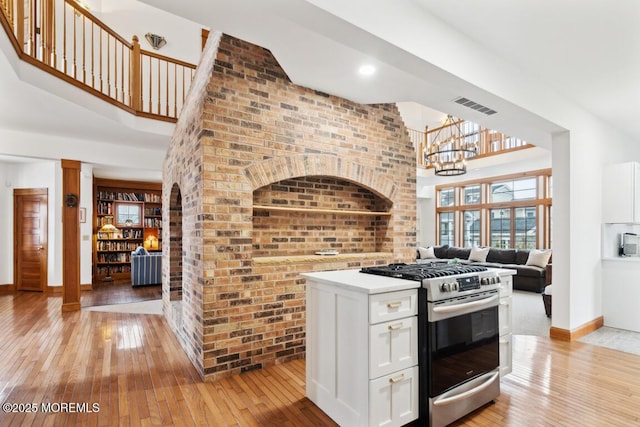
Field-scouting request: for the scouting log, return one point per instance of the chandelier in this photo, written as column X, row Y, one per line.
column 449, row 149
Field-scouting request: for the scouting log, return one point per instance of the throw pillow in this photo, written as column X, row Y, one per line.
column 478, row 254
column 539, row 257
column 426, row 253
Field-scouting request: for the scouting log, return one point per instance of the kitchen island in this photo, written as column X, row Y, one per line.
column 362, row 345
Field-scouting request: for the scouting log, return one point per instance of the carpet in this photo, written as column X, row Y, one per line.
column 527, row 314
column 142, row 307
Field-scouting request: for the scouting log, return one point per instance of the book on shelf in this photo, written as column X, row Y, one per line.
column 129, row 197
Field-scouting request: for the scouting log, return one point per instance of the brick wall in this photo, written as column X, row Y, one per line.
column 256, row 138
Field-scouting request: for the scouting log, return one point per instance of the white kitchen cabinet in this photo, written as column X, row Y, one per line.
column 621, row 193
column 505, row 324
column 362, row 354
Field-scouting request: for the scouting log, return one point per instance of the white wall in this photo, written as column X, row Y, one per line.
column 86, row 228
column 6, row 225
column 129, row 17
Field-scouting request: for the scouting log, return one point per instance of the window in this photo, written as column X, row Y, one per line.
column 446, row 197
column 446, row 228
column 472, row 194
column 511, row 211
column 471, row 228
column 508, row 191
column 128, row 214
column 525, row 228
column 500, row 228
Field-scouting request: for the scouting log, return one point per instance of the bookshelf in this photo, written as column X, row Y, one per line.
column 135, row 210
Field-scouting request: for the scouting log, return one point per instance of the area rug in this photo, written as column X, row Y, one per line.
column 616, row 339
column 142, row 307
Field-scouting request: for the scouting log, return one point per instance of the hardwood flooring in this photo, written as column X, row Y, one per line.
column 111, row 293
column 133, row 368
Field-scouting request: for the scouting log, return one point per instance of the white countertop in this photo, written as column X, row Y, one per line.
column 354, row 280
column 372, row 284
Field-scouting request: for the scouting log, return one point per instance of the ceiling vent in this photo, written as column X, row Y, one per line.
column 474, row 106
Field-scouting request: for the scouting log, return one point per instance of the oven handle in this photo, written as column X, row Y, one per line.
column 459, row 307
column 447, row 400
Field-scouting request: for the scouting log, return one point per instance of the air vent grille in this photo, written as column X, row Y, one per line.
column 474, row 106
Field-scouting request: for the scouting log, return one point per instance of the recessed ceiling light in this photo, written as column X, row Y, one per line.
column 367, row 70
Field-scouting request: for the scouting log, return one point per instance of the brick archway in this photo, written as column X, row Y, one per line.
column 281, row 168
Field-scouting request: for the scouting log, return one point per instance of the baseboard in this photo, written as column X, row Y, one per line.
column 88, row 287
column 10, row 287
column 577, row 333
column 54, row 289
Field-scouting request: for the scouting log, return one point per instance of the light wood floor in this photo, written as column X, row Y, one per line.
column 133, row 367
column 119, row 293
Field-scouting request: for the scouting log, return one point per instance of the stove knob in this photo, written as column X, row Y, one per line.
column 454, row 286
column 498, row 280
column 484, row 281
column 493, row 281
column 445, row 287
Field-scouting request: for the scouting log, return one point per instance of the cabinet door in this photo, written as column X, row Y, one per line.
column 504, row 316
column 393, row 346
column 620, row 203
column 393, row 305
column 505, row 354
column 394, row 399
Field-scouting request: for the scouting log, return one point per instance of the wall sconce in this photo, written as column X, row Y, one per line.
column 155, row 40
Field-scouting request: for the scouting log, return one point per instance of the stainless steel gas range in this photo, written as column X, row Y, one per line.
column 458, row 331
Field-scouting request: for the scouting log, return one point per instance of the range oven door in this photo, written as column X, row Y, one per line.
column 462, row 341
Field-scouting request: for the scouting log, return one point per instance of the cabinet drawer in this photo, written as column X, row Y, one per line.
column 392, row 305
column 393, row 346
column 393, row 399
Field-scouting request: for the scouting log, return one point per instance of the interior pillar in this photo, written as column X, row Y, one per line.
column 71, row 235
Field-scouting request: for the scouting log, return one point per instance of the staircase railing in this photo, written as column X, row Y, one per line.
column 66, row 40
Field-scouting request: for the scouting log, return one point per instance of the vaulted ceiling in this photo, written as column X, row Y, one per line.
column 586, row 52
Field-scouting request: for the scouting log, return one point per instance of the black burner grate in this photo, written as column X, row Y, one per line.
column 419, row 272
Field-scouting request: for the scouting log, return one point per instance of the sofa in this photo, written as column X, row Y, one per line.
column 530, row 266
column 146, row 269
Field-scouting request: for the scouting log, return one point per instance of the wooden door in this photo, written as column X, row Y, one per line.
column 30, row 239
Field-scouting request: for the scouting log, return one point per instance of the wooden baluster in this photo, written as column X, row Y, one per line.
column 64, row 37
column 100, row 59
column 150, row 86
column 122, row 74
column 84, row 50
column 46, row 30
column 175, row 89
column 75, row 51
column 135, row 76
column 54, row 56
column 115, row 68
column 158, row 95
column 167, row 90
column 93, row 65
column 19, row 25
column 32, row 29
column 108, row 65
